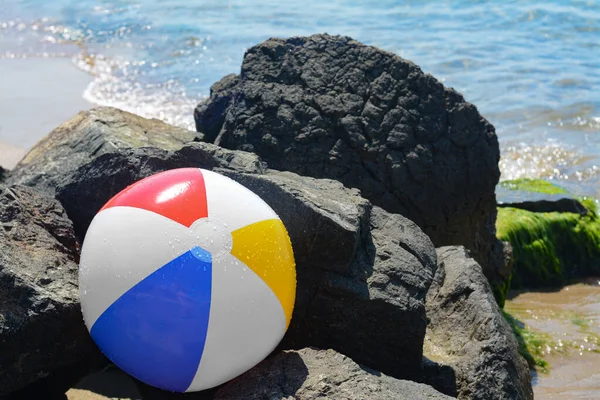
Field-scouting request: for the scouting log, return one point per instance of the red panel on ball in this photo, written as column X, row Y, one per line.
column 177, row 194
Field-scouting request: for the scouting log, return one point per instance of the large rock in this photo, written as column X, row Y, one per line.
column 42, row 333
column 89, row 187
column 127, row 146
column 330, row 107
column 91, row 134
column 320, row 374
column 363, row 273
column 468, row 333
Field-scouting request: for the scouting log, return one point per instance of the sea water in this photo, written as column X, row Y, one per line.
column 531, row 67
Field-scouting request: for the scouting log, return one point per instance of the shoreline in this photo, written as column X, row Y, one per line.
column 36, row 96
column 562, row 324
column 53, row 95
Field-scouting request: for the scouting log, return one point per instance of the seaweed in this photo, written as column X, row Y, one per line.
column 531, row 343
column 533, row 185
column 535, row 345
column 551, row 248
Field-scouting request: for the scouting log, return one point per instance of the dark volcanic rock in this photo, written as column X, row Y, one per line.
column 567, row 205
column 210, row 116
column 3, row 174
column 91, row 134
column 91, row 185
column 42, row 332
column 108, row 149
column 329, row 107
column 363, row 273
column 468, row 332
column 320, row 374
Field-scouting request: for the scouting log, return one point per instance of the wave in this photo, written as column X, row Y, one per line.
column 111, row 86
column 550, row 161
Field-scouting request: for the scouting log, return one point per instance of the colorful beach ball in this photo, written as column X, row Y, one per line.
column 187, row 279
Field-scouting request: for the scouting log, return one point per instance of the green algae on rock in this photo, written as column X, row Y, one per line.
column 500, row 291
column 535, row 346
column 533, row 185
column 530, row 342
column 550, row 248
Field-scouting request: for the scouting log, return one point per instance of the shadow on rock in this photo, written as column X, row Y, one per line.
column 111, row 383
column 468, row 332
column 441, row 377
column 311, row 374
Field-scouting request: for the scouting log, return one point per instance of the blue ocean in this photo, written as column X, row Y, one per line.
column 532, row 68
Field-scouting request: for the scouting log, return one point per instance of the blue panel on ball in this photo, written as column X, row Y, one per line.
column 157, row 330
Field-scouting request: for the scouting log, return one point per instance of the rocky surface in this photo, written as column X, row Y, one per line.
column 91, row 134
column 91, row 185
column 329, row 107
column 363, row 273
column 42, row 334
column 209, row 116
column 320, row 374
column 468, row 333
column 109, row 149
column 566, row 205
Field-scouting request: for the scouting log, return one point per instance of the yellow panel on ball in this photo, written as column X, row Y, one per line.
column 266, row 248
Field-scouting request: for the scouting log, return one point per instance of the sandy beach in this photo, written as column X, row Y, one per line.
column 109, row 384
column 36, row 95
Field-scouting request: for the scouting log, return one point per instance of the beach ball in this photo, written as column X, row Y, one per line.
column 187, row 279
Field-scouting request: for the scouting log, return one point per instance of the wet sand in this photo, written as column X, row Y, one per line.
column 570, row 319
column 571, row 377
column 36, row 95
